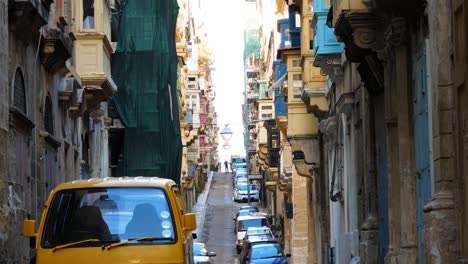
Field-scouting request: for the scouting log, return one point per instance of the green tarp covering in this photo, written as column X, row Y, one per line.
column 144, row 68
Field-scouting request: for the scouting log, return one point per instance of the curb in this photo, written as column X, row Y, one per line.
column 207, row 189
column 200, row 208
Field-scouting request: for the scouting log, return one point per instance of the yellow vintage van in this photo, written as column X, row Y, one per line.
column 114, row 220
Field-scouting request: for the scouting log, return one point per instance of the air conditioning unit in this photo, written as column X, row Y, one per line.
column 66, row 89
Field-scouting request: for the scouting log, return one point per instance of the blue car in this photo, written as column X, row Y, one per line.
column 262, row 250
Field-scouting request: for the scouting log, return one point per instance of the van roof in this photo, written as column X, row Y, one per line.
column 138, row 181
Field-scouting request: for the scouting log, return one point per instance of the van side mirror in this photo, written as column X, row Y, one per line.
column 29, row 228
column 194, row 236
column 190, row 222
column 288, row 255
column 212, row 254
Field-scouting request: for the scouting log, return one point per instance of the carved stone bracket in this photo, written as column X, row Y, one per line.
column 394, row 36
column 329, row 128
column 303, row 169
column 26, row 17
column 315, row 101
column 56, row 49
column 331, row 65
column 308, row 146
column 359, row 30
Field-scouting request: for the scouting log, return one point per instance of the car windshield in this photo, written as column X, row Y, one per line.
column 266, row 251
column 263, row 231
column 245, row 207
column 243, row 225
column 244, row 212
column 243, row 187
column 239, row 160
column 108, row 215
column 199, row 249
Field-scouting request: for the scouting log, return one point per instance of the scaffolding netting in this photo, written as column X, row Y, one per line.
column 144, row 68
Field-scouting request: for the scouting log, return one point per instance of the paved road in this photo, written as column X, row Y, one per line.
column 218, row 230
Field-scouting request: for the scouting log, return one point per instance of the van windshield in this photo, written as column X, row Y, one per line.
column 109, row 215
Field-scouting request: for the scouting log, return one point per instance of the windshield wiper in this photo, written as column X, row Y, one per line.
column 147, row 238
column 75, row 243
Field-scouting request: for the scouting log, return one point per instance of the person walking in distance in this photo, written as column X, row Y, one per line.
column 226, row 166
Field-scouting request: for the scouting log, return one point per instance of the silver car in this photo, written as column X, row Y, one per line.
column 201, row 255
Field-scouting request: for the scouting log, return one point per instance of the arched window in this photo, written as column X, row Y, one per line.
column 48, row 118
column 19, row 92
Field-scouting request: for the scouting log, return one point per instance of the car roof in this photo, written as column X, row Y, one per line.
column 139, row 181
column 248, row 217
column 199, row 243
column 248, row 206
column 258, row 228
column 262, row 239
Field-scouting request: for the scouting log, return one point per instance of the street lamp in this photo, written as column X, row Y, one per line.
column 226, row 134
column 226, row 146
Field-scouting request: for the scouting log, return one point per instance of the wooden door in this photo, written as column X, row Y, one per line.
column 50, row 167
column 22, row 165
column 460, row 27
column 382, row 181
column 421, row 141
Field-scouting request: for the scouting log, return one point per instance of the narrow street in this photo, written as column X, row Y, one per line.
column 218, row 230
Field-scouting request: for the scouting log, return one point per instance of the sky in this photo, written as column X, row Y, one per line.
column 225, row 37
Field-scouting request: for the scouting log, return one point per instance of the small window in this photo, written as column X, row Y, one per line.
column 297, row 77
column 267, row 107
column 296, row 63
column 19, row 93
column 88, row 14
column 48, row 118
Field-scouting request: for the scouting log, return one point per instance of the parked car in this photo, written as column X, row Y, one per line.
column 262, row 251
column 254, row 207
column 237, row 176
column 255, row 232
column 243, row 223
column 201, row 254
column 241, row 180
column 243, row 213
column 245, row 192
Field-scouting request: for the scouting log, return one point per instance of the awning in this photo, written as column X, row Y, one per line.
column 277, row 84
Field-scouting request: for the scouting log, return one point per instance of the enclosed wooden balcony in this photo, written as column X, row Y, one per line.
column 345, row 6
column 92, row 49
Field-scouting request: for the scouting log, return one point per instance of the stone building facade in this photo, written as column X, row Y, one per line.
column 385, row 173
column 53, row 107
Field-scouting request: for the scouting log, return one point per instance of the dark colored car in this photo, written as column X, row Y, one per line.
column 262, row 250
